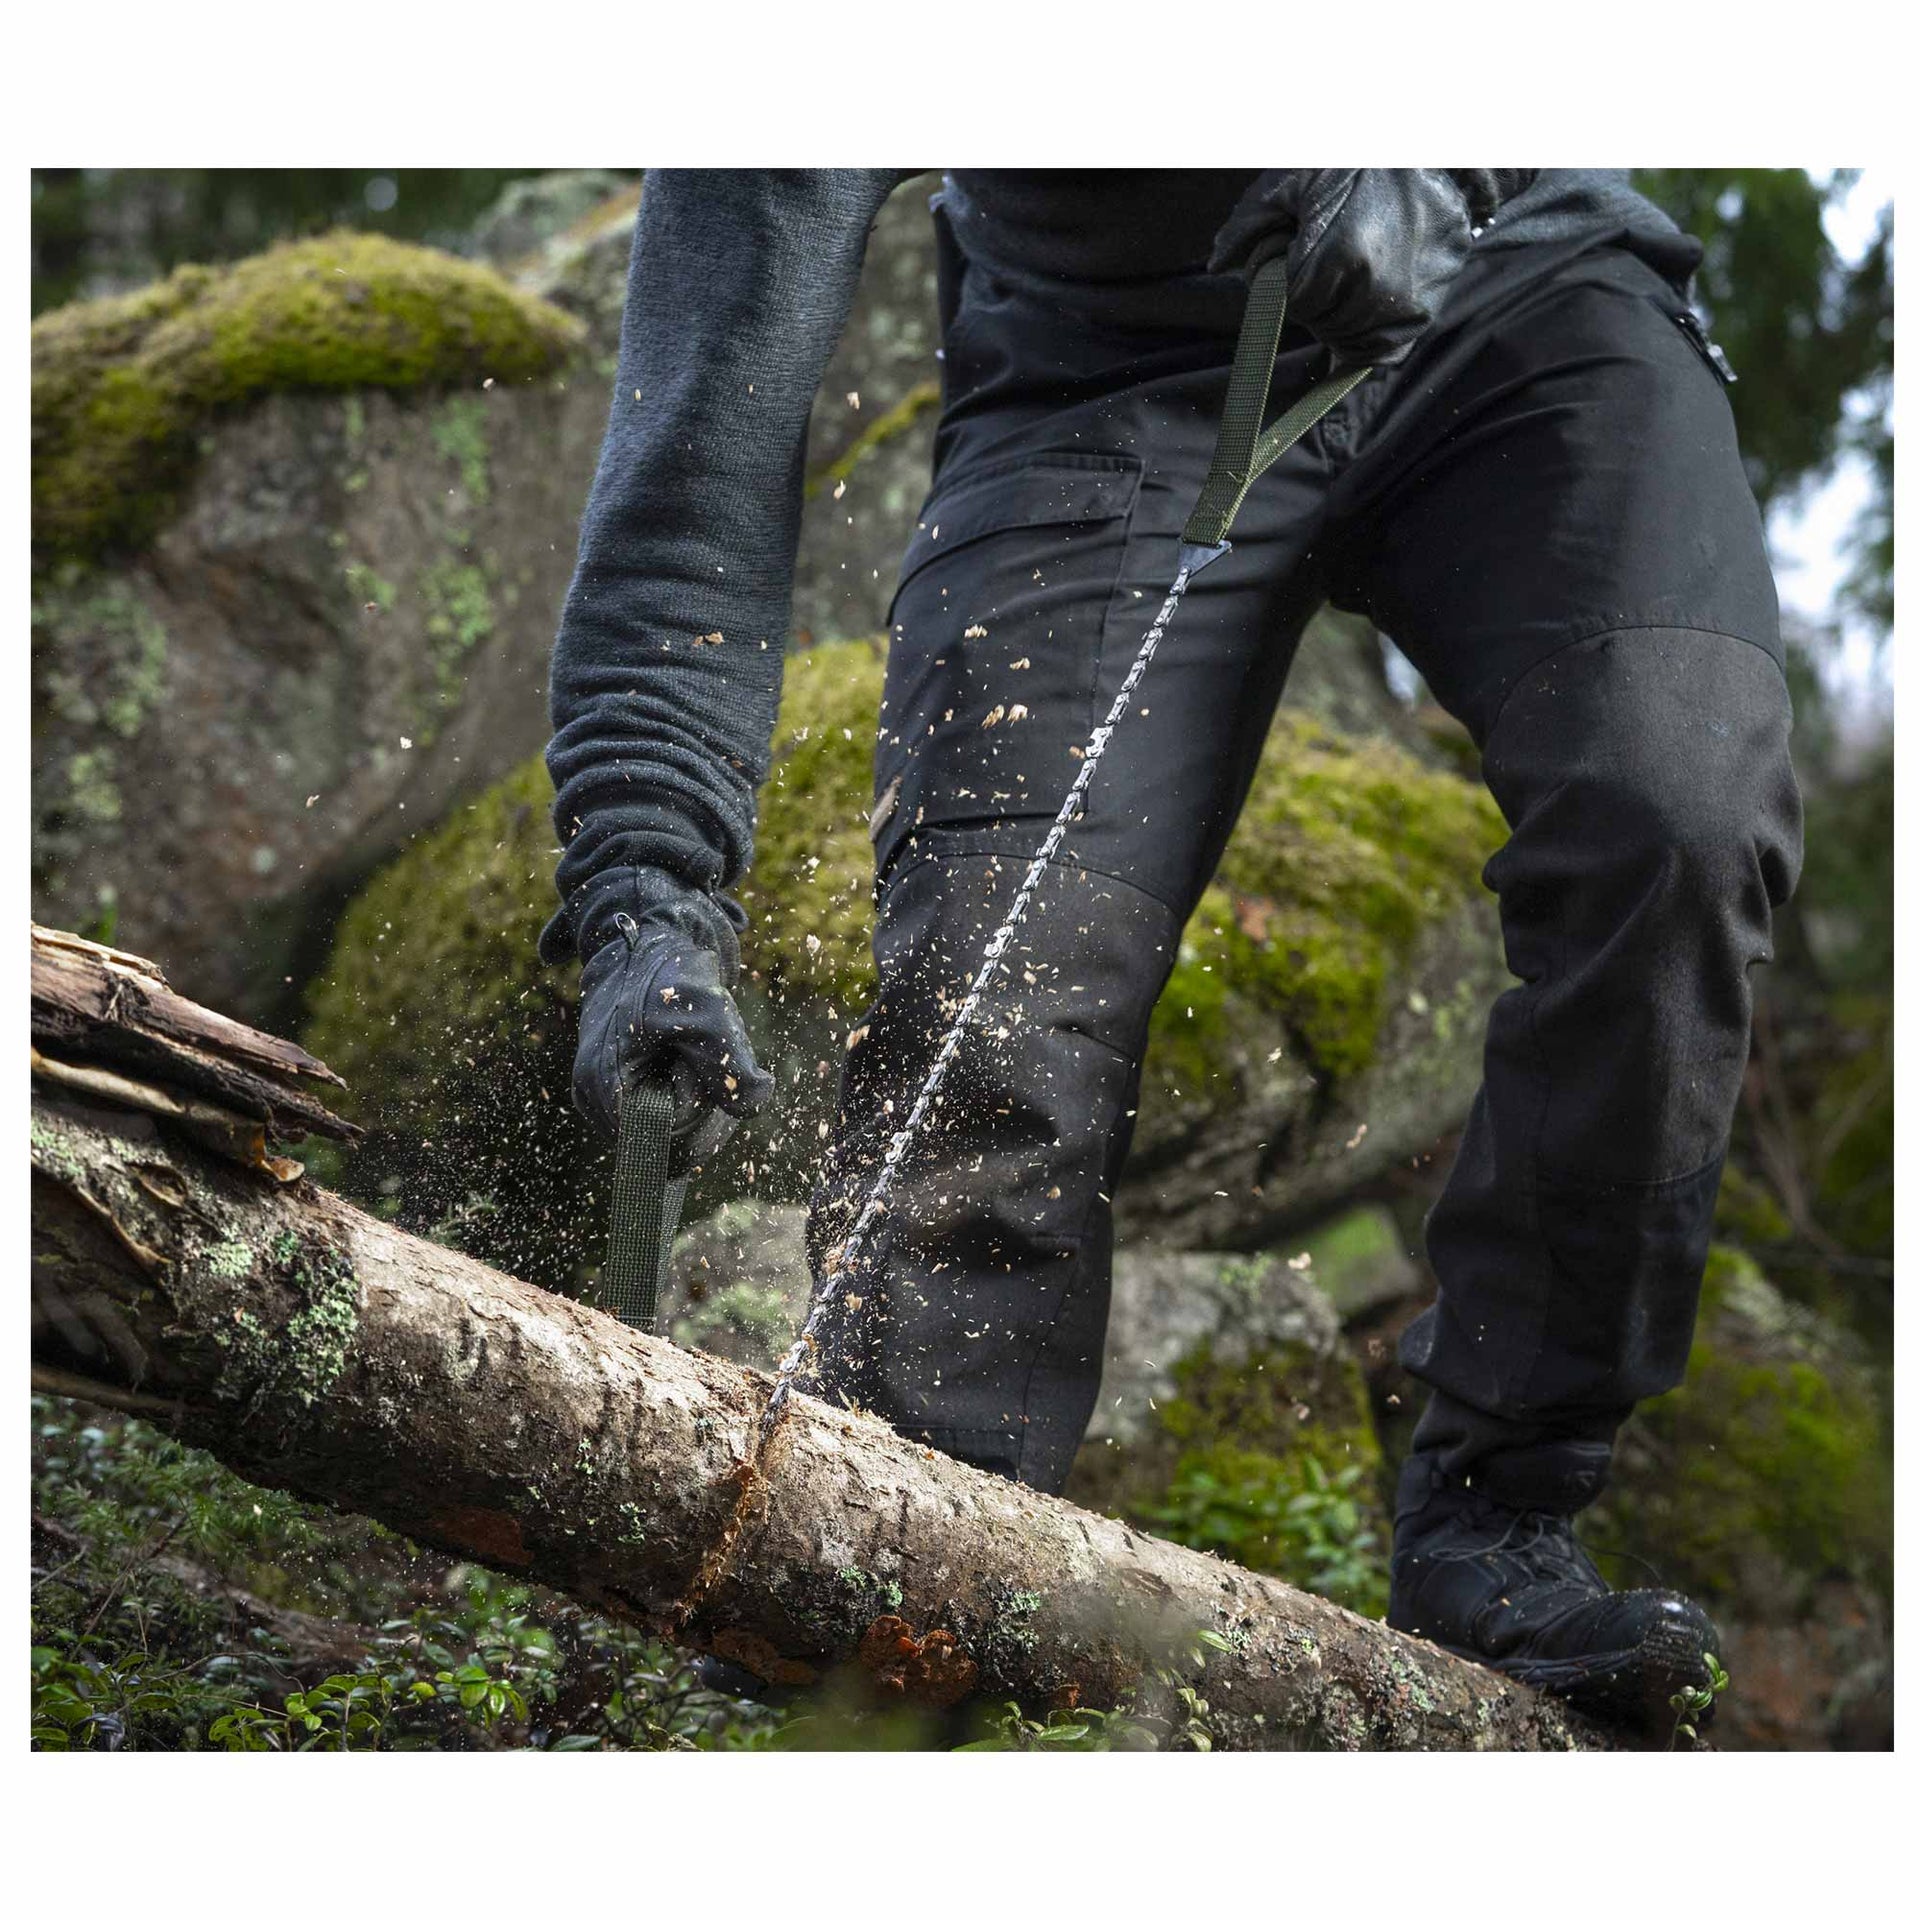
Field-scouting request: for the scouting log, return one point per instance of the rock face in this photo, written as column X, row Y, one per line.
column 336, row 622
column 868, row 465
column 543, row 219
column 123, row 388
column 1232, row 1418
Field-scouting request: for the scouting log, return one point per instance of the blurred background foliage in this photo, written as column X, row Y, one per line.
column 1810, row 334
column 99, row 230
column 173, row 1606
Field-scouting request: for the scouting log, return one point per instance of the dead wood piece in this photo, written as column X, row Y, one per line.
column 238, row 1138
column 108, row 1022
column 312, row 1347
column 102, row 987
column 289, row 1111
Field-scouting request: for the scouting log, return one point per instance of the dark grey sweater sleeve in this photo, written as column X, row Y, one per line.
column 667, row 668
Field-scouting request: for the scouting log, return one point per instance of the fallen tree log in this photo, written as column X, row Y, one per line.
column 315, row 1348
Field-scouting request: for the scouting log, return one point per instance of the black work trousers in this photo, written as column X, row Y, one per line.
column 1546, row 509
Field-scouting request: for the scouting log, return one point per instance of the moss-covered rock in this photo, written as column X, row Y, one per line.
column 1325, row 1015
column 441, row 942
column 1769, row 1471
column 1345, row 853
column 124, row 387
column 810, row 894
column 329, row 608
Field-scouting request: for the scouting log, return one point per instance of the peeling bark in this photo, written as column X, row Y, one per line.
column 314, row 1348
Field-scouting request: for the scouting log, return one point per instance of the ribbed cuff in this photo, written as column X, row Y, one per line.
column 652, row 898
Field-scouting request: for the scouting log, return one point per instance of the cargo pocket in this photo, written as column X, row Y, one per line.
column 995, row 640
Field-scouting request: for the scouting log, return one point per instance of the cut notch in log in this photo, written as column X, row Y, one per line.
column 314, row 1348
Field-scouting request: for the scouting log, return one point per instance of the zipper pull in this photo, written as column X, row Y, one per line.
column 1708, row 348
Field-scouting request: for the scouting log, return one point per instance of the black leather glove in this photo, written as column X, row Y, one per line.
column 1371, row 251
column 654, row 999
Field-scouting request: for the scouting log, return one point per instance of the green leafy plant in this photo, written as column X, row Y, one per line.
column 349, row 1710
column 1167, row 1715
column 1280, row 1514
column 99, row 1702
column 1690, row 1703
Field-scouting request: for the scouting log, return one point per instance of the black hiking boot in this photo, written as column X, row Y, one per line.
column 1513, row 1590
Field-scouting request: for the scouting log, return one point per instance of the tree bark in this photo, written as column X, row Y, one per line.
column 312, row 1347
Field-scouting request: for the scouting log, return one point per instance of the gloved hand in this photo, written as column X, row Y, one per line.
column 654, row 998
column 1371, row 251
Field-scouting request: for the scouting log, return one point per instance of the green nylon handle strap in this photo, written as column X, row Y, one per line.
column 646, row 1206
column 1245, row 450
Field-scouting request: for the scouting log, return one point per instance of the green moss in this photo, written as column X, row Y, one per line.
column 1409, row 1682
column 436, row 1010
column 888, row 426
column 1747, row 1212
column 283, row 1373
column 230, row 1259
column 1008, row 1635
column 810, row 892
column 456, row 1042
column 460, row 433
column 100, row 668
column 53, row 1151
column 1768, row 1469
column 91, row 791
column 434, row 962
column 318, row 1338
column 124, row 388
column 369, row 588
column 460, row 614
column 1346, row 851
column 858, row 1581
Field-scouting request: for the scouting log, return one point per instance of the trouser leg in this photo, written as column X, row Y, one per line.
column 1553, row 520
column 979, row 1322
column 979, row 1325
column 1655, row 829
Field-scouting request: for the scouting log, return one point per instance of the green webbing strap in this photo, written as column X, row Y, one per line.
column 1244, row 451
column 646, row 1206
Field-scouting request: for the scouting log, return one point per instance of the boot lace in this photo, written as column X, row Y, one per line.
column 1542, row 1544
